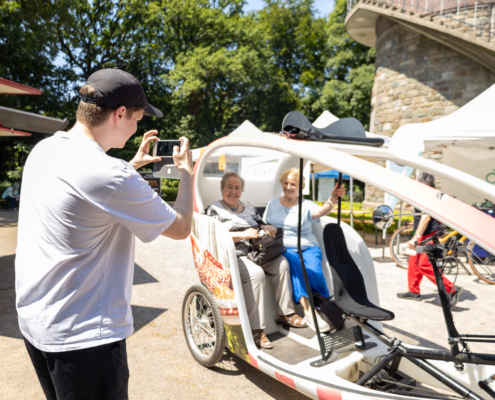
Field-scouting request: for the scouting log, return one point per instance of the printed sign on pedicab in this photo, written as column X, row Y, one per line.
column 210, row 247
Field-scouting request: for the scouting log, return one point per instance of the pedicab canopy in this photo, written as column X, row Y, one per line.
column 465, row 219
column 15, row 122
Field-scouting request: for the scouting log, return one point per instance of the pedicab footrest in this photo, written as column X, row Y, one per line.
column 350, row 337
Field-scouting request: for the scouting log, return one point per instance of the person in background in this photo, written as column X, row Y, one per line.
column 419, row 266
column 11, row 194
column 244, row 222
column 283, row 213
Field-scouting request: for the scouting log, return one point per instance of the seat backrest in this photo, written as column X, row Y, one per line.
column 346, row 276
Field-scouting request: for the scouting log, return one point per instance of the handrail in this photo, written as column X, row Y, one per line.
column 478, row 15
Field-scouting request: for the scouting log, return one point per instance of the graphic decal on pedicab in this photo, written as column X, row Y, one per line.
column 218, row 280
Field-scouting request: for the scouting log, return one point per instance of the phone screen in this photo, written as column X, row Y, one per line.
column 165, row 148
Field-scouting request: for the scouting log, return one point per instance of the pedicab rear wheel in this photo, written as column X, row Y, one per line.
column 203, row 326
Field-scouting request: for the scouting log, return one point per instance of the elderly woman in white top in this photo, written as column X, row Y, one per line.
column 244, row 222
column 283, row 213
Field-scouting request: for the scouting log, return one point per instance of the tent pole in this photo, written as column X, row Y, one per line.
column 301, row 260
column 313, row 178
column 351, row 195
column 340, row 199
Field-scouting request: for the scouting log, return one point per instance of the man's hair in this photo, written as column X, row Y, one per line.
column 231, row 175
column 92, row 115
column 427, row 179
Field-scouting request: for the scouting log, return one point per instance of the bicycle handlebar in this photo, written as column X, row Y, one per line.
column 429, row 248
column 435, row 236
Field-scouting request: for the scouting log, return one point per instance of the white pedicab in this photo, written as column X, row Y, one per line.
column 360, row 361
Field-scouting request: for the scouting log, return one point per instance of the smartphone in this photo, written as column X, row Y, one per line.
column 165, row 148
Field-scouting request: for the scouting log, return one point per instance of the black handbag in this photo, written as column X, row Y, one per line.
column 330, row 312
column 266, row 248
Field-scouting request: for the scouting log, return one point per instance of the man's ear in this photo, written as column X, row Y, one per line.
column 119, row 114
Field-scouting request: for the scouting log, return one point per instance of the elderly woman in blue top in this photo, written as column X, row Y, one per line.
column 283, row 213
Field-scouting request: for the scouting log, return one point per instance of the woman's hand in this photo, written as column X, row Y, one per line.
column 336, row 193
column 327, row 207
column 250, row 233
column 411, row 244
column 270, row 230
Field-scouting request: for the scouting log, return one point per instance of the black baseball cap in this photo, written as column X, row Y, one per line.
column 116, row 88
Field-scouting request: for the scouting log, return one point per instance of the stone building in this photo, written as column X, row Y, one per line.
column 431, row 59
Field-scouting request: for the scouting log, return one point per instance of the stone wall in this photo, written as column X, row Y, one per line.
column 418, row 80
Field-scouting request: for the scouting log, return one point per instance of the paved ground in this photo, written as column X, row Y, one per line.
column 160, row 363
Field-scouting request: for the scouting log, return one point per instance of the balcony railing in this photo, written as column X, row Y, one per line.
column 467, row 16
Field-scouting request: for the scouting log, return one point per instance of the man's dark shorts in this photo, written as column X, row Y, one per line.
column 96, row 373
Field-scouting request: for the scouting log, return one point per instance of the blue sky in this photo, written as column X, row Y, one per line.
column 324, row 7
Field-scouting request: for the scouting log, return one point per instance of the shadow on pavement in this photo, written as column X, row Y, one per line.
column 144, row 315
column 141, row 276
column 434, row 299
column 8, row 314
column 231, row 365
column 421, row 341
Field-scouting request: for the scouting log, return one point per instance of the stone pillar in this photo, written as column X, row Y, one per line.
column 418, row 80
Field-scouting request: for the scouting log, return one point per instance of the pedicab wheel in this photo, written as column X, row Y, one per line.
column 203, row 326
column 401, row 236
column 483, row 267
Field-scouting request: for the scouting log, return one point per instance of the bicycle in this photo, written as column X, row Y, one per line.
column 481, row 262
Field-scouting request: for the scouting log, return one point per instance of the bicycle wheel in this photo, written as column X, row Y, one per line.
column 203, row 326
column 398, row 245
column 482, row 263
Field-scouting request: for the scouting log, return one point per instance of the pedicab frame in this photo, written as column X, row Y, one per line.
column 352, row 160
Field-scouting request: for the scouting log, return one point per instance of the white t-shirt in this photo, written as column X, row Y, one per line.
column 80, row 210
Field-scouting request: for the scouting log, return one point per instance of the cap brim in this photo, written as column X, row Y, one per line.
column 149, row 109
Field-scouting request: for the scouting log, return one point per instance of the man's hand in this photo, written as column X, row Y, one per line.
column 183, row 156
column 270, row 230
column 142, row 156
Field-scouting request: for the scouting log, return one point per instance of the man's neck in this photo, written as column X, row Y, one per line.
column 93, row 133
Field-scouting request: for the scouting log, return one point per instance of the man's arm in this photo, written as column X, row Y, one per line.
column 181, row 227
column 423, row 223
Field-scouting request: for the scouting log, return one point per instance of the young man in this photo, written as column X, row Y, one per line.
column 81, row 210
column 419, row 266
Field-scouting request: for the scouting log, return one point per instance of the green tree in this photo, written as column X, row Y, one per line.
column 27, row 55
column 350, row 72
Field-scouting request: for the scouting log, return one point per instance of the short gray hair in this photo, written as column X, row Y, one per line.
column 15, row 185
column 231, row 175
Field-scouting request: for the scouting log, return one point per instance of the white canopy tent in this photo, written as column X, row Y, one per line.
column 245, row 127
column 466, row 137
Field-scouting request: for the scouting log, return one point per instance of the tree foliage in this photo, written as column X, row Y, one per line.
column 350, row 72
column 206, row 64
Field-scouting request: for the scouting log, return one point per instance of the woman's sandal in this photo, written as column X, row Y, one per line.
column 293, row 320
column 261, row 340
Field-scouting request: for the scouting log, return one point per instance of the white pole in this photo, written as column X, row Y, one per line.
column 400, row 223
column 313, row 180
column 351, row 195
column 491, row 23
column 475, row 14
